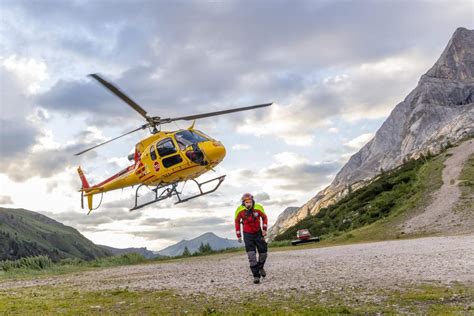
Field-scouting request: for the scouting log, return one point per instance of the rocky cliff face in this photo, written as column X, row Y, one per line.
column 440, row 110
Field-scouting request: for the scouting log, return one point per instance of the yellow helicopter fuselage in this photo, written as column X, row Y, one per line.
column 163, row 158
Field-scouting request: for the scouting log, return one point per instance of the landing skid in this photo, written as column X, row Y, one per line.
column 170, row 190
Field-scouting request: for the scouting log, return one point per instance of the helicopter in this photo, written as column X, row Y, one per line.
column 164, row 159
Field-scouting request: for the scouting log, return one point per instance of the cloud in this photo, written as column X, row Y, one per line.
column 359, row 141
column 283, row 202
column 29, row 71
column 26, row 146
column 241, row 147
column 266, row 200
column 17, row 133
column 5, row 199
column 173, row 235
column 192, row 67
column 16, row 137
column 200, row 221
column 153, row 221
column 186, row 227
column 366, row 90
column 84, row 96
column 263, row 196
column 44, row 162
column 294, row 172
column 94, row 220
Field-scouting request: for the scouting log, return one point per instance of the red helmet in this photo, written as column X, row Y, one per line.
column 246, row 196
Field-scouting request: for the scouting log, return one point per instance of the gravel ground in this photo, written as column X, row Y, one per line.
column 388, row 264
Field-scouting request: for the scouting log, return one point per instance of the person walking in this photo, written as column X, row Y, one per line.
column 253, row 219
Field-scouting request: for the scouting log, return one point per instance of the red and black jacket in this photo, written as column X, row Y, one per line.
column 250, row 219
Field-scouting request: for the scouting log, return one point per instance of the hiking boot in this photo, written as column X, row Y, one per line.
column 256, row 280
column 263, row 273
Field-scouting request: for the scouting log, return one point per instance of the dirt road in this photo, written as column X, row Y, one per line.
column 389, row 264
column 440, row 216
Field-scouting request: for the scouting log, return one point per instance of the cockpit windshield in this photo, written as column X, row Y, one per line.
column 186, row 138
column 204, row 135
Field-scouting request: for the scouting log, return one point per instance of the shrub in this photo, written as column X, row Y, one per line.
column 125, row 259
column 27, row 263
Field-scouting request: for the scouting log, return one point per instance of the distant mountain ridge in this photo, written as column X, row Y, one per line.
column 120, row 251
column 439, row 111
column 216, row 243
column 26, row 233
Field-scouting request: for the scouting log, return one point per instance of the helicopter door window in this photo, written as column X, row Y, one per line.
column 166, row 147
column 153, row 152
column 171, row 161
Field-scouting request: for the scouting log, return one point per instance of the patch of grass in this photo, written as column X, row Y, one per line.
column 278, row 244
column 466, row 184
column 43, row 265
column 436, row 300
column 467, row 173
column 429, row 299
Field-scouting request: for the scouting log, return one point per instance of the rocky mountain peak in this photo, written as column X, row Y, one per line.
column 457, row 60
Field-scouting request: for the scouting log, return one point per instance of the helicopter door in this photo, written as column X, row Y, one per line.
column 167, row 151
column 188, row 142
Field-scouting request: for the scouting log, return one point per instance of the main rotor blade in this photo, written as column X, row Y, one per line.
column 199, row 116
column 121, row 95
column 135, row 130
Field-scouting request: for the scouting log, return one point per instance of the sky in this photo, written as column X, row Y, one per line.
column 334, row 70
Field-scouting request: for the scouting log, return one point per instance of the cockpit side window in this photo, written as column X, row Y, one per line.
column 152, row 152
column 166, row 147
column 186, row 138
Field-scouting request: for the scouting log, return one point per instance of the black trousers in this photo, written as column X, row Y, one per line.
column 253, row 243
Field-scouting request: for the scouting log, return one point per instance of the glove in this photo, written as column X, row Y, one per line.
column 264, row 233
column 240, row 239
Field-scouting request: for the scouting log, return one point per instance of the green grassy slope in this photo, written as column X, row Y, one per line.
column 375, row 211
column 25, row 233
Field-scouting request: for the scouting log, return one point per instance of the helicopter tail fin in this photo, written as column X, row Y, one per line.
column 85, row 186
